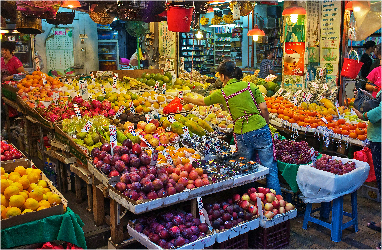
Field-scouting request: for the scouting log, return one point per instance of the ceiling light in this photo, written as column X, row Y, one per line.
column 71, row 4
column 256, row 32
column 293, row 11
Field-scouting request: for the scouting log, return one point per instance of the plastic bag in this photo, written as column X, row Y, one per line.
column 320, row 186
column 365, row 156
column 173, row 107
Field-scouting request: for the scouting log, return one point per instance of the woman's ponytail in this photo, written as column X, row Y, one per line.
column 238, row 74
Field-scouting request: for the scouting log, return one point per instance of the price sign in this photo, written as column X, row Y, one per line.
column 297, row 93
column 186, row 133
column 168, row 156
column 115, row 78
column 132, row 109
column 130, row 128
column 201, row 212
column 180, row 94
column 55, row 96
column 154, row 158
column 44, row 79
column 77, row 110
column 113, row 137
column 103, row 90
column 133, row 132
column 325, row 86
column 308, row 97
column 314, row 85
column 324, row 120
column 171, row 119
column 156, row 86
column 87, row 126
column 120, row 111
column 148, row 119
column 145, row 141
column 164, row 88
column 295, row 102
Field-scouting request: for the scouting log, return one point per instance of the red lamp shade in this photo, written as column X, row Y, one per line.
column 349, row 5
column 294, row 9
column 71, row 4
column 256, row 32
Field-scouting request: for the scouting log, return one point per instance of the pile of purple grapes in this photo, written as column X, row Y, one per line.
column 328, row 164
column 294, row 152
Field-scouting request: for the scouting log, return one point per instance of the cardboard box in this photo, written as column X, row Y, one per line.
column 37, row 215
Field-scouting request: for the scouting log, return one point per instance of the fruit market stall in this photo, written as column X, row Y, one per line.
column 29, row 201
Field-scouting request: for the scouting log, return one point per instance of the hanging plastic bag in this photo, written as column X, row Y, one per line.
column 351, row 67
column 365, row 156
column 173, row 107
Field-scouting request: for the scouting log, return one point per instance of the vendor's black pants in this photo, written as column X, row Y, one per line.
column 375, row 148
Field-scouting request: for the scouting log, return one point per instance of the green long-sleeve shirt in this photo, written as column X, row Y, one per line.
column 374, row 127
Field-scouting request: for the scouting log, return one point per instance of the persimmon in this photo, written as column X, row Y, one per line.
column 291, row 120
column 273, row 110
column 361, row 137
column 341, row 121
column 330, row 125
column 286, row 117
column 281, row 116
column 301, row 123
column 353, row 134
column 314, row 125
column 296, row 117
column 345, row 132
column 352, row 126
column 329, row 118
column 361, row 125
column 337, row 130
column 360, row 131
column 280, row 111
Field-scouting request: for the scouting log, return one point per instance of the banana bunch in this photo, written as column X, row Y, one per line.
column 204, row 20
column 216, row 20
column 327, row 103
column 131, row 83
column 228, row 19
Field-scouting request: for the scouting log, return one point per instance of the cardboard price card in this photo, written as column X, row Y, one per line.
column 168, row 157
column 44, row 79
column 113, row 137
column 120, row 111
column 171, row 119
column 87, row 126
column 55, row 96
column 148, row 119
column 77, row 110
column 180, row 95
column 115, row 79
column 154, row 158
column 132, row 108
column 164, row 86
column 186, row 133
column 156, row 86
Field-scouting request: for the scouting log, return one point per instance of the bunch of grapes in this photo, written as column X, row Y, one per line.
column 293, row 152
column 328, row 164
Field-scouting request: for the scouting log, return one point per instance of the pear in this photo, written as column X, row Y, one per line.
column 89, row 141
column 81, row 135
column 95, row 137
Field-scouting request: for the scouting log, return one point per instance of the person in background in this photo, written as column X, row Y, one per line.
column 142, row 58
column 250, row 115
column 366, row 59
column 374, row 136
column 375, row 77
column 10, row 64
column 376, row 63
column 266, row 65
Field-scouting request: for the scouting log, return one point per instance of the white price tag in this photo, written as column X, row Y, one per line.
column 103, row 90
column 276, row 136
column 77, row 110
column 180, row 95
column 55, row 96
column 120, row 111
column 156, row 86
column 115, row 79
column 324, row 120
column 164, row 88
column 297, row 93
column 145, row 141
column 154, row 158
column 87, row 126
column 168, row 157
column 132, row 108
column 325, row 86
column 113, row 137
column 186, row 133
column 171, row 119
column 314, row 85
column 147, row 118
column 44, row 79
column 130, row 128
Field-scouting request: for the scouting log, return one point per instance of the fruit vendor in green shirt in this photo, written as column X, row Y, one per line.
column 250, row 115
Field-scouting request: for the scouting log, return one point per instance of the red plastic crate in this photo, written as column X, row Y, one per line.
column 239, row 242
column 275, row 237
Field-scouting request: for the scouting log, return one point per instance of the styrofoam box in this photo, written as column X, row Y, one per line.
column 278, row 219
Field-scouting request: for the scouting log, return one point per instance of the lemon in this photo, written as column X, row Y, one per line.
column 28, row 171
column 4, row 201
column 11, row 190
column 31, row 203
column 19, row 185
column 41, row 208
column 4, row 184
column 33, row 177
column 2, row 170
column 32, row 186
column 25, row 194
column 21, row 170
column 36, row 170
column 48, row 194
column 17, row 201
column 2, row 208
column 54, row 199
column 24, row 181
column 14, row 176
column 44, row 203
column 45, row 190
column 27, row 211
column 42, row 183
column 36, row 194
column 13, row 211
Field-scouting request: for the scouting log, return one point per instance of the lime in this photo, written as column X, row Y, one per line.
column 147, row 76
column 158, row 77
column 151, row 82
column 100, row 98
column 166, row 79
column 152, row 75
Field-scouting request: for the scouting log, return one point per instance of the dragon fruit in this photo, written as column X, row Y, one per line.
column 96, row 104
column 106, row 105
column 111, row 112
column 86, row 104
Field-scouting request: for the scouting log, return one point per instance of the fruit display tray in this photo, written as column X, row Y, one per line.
column 201, row 243
column 277, row 219
column 237, row 230
column 178, row 197
column 320, row 186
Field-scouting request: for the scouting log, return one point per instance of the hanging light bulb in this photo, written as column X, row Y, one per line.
column 293, row 11
column 71, row 4
column 199, row 35
column 255, row 32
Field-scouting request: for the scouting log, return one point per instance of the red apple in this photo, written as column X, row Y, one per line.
column 282, row 210
column 236, row 198
column 275, row 211
column 289, row 207
column 268, row 206
column 252, row 209
column 260, row 189
column 270, row 197
column 261, row 196
column 276, row 204
column 245, row 197
column 244, row 204
column 282, row 203
column 253, row 197
column 251, row 190
column 279, row 197
column 269, row 214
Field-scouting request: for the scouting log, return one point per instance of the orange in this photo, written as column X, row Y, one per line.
column 4, row 184
column 361, row 137
column 4, row 212
column 44, row 203
column 31, row 203
column 19, row 185
column 25, row 194
column 33, row 177
column 25, row 182
column 17, row 201
column 4, row 201
column 11, row 190
column 21, row 170
column 42, row 183
column 14, row 176
column 54, row 199
column 2, row 170
column 36, row 194
column 13, row 211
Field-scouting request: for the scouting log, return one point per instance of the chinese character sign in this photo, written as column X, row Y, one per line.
column 294, row 58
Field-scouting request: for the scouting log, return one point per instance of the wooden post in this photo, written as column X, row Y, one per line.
column 7, row 122
column 77, row 182
column 194, row 208
column 115, row 225
column 98, row 205
column 90, row 197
